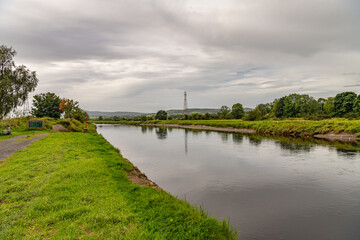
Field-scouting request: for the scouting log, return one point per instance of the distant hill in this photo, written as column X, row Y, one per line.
column 171, row 112
column 111, row 114
column 174, row 112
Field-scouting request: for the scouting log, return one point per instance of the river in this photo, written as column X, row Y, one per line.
column 269, row 188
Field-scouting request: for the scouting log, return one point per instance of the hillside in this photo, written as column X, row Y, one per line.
column 111, row 114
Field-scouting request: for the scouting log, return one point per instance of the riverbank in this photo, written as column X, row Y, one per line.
column 76, row 185
column 330, row 129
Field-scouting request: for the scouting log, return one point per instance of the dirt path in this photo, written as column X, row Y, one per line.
column 9, row 146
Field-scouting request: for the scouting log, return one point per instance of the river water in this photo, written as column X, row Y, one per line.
column 269, row 188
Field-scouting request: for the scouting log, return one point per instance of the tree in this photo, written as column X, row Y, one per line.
column 224, row 111
column 46, row 105
column 161, row 115
column 357, row 106
column 265, row 108
column 16, row 82
column 254, row 115
column 329, row 106
column 344, row 103
column 321, row 103
column 279, row 107
column 69, row 107
column 237, row 111
column 100, row 118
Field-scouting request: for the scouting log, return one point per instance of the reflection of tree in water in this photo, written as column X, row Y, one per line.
column 350, row 153
column 196, row 132
column 224, row 136
column 144, row 129
column 255, row 140
column 294, row 147
column 237, row 138
column 161, row 133
column 207, row 133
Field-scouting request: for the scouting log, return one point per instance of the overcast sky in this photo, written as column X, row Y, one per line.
column 141, row 55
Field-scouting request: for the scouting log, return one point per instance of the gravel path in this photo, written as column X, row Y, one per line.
column 9, row 146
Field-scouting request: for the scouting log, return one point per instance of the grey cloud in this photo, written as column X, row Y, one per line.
column 141, row 52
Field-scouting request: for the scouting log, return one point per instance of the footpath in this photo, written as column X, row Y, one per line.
column 9, row 146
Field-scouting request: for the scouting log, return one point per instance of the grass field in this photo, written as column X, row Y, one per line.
column 293, row 127
column 75, row 186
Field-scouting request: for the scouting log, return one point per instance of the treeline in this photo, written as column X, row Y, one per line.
column 343, row 105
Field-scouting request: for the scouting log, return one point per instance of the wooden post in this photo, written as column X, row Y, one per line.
column 86, row 129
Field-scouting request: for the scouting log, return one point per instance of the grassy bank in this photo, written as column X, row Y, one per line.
column 75, row 186
column 18, row 126
column 291, row 127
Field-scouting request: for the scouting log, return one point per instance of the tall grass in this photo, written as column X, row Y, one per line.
column 75, row 186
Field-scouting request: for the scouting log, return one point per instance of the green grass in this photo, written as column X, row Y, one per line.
column 74, row 186
column 292, row 127
column 18, row 126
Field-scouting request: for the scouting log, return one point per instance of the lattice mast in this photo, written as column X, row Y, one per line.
column 185, row 105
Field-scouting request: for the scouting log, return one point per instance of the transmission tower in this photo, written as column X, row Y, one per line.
column 185, row 105
column 26, row 108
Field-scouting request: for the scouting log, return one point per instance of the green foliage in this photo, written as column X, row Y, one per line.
column 279, row 107
column 100, row 118
column 356, row 107
column 224, row 112
column 329, row 106
column 16, row 82
column 237, row 111
column 254, row 115
column 75, row 186
column 265, row 108
column 161, row 115
column 343, row 103
column 46, row 105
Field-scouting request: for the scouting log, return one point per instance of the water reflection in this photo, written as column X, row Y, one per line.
column 255, row 140
column 224, row 136
column 294, row 147
column 186, row 141
column 161, row 133
column 237, row 138
column 269, row 187
column 350, row 153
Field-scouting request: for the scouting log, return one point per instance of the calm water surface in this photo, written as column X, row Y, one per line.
column 268, row 188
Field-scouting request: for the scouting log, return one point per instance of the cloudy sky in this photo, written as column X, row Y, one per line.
column 141, row 55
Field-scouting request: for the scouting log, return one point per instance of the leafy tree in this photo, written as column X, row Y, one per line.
column 69, row 107
column 16, row 82
column 100, row 118
column 161, row 115
column 357, row 106
column 344, row 103
column 195, row 116
column 237, row 111
column 329, row 106
column 46, row 104
column 116, row 118
column 265, row 108
column 321, row 103
column 279, row 107
column 207, row 116
column 254, row 115
column 224, row 111
column 143, row 118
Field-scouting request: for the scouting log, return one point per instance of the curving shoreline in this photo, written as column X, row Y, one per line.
column 342, row 137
